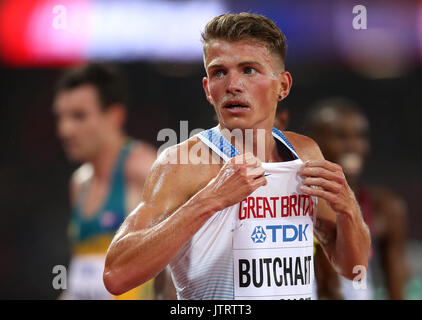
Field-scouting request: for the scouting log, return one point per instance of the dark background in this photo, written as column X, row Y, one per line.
column 34, row 172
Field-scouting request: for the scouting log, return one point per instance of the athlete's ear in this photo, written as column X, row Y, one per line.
column 285, row 84
column 207, row 91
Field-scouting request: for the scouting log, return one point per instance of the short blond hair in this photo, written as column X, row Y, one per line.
column 244, row 25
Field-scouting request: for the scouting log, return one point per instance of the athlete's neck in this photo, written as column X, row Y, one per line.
column 105, row 159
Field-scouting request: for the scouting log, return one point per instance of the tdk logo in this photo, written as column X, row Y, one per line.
column 258, row 235
column 282, row 233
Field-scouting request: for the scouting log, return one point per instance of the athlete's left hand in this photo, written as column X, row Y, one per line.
column 329, row 184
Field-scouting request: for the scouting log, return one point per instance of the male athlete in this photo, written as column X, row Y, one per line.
column 90, row 107
column 241, row 228
column 342, row 132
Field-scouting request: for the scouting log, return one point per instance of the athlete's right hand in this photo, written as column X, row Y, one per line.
column 238, row 178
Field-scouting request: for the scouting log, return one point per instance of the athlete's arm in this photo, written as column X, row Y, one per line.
column 339, row 225
column 176, row 202
column 137, row 168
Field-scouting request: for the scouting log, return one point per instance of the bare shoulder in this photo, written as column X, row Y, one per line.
column 305, row 146
column 182, row 170
column 80, row 177
column 167, row 186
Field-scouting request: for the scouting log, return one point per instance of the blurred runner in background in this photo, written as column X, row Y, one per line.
column 342, row 132
column 91, row 108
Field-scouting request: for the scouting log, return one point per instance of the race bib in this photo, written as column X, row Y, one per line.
column 273, row 258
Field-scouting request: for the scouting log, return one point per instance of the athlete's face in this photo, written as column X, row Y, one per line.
column 81, row 123
column 344, row 140
column 244, row 81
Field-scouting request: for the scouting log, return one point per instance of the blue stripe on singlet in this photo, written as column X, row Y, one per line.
column 229, row 150
column 219, row 141
column 279, row 134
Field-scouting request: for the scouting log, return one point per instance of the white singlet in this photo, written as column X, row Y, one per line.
column 260, row 248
